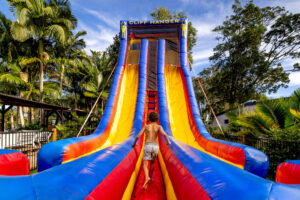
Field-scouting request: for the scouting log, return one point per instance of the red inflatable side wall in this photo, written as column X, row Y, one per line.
column 233, row 154
column 13, row 164
column 288, row 173
column 185, row 185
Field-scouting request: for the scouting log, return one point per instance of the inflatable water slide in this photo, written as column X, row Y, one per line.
column 152, row 74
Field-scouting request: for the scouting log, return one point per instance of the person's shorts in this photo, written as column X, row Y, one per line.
column 150, row 151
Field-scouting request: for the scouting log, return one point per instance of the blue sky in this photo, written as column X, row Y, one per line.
column 100, row 18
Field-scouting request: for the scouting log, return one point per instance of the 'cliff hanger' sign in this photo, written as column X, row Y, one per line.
column 167, row 21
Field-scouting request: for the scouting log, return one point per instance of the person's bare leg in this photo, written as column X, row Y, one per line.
column 146, row 172
column 151, row 169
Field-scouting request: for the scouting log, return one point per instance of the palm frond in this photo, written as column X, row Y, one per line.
column 51, row 10
column 27, row 61
column 255, row 123
column 57, row 32
column 65, row 22
column 295, row 100
column 295, row 113
column 19, row 32
column 272, row 110
column 12, row 79
column 79, row 34
column 24, row 16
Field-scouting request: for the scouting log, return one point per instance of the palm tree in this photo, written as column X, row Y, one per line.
column 67, row 56
column 96, row 76
column 75, row 76
column 42, row 21
column 295, row 108
column 7, row 43
column 277, row 119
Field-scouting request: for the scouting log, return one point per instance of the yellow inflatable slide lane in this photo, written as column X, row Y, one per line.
column 123, row 120
column 178, row 114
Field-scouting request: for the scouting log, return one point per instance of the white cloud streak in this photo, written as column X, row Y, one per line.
column 202, row 54
column 294, row 79
column 111, row 21
column 97, row 38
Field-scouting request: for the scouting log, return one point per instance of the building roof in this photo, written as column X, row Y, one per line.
column 6, row 99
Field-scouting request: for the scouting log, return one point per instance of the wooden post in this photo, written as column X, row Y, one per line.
column 2, row 118
column 244, row 139
column 54, row 134
column 3, row 111
column 84, row 131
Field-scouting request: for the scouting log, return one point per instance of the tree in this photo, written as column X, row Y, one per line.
column 247, row 61
column 67, row 56
column 42, row 21
column 113, row 51
column 163, row 13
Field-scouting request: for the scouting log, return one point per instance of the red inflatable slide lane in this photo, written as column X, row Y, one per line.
column 155, row 190
column 13, row 163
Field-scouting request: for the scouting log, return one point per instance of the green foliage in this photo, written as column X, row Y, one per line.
column 113, row 51
column 247, row 60
column 70, row 128
column 42, row 20
column 42, row 58
column 274, row 119
column 162, row 13
column 35, row 126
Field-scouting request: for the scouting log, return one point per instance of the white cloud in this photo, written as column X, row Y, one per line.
column 112, row 21
column 201, row 62
column 187, row 1
column 202, row 54
column 294, row 79
column 106, row 34
column 204, row 29
column 97, row 38
column 291, row 5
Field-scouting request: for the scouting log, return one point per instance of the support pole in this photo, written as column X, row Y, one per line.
column 2, row 117
column 96, row 102
column 54, row 134
column 212, row 110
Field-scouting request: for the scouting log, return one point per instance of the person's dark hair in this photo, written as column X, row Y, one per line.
column 153, row 117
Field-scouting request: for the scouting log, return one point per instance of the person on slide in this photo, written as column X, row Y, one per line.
column 151, row 147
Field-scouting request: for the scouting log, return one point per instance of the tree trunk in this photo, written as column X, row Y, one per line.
column 61, row 79
column 12, row 120
column 17, row 117
column 41, row 73
column 75, row 100
column 29, row 116
column 102, row 106
column 21, row 116
column 32, row 115
column 41, row 77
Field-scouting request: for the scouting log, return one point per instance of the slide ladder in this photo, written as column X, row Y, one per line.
column 152, row 102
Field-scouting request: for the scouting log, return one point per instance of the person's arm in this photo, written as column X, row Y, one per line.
column 165, row 135
column 138, row 136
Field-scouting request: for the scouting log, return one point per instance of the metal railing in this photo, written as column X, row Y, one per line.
column 27, row 141
column 278, row 151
